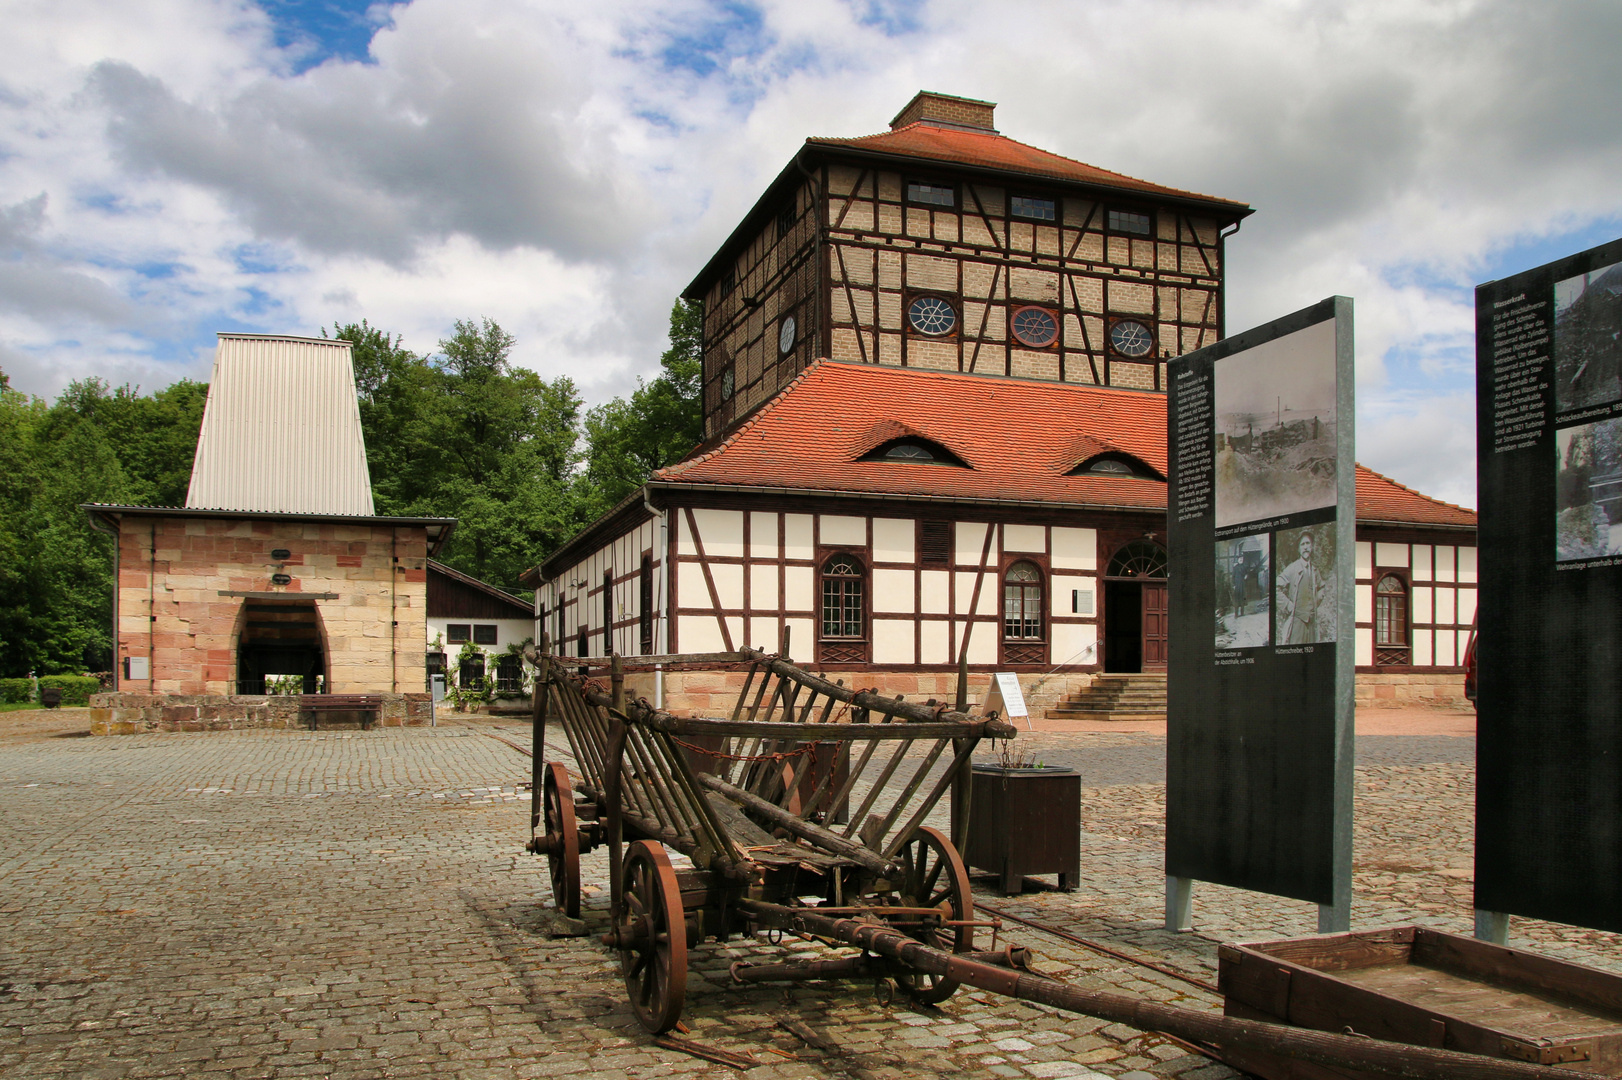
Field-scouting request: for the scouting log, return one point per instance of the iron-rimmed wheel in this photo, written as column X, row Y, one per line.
column 933, row 876
column 562, row 840
column 652, row 932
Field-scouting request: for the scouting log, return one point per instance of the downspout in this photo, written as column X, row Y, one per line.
column 661, row 635
column 151, row 613
column 1222, row 262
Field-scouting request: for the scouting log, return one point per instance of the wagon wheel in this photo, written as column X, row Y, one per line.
column 562, row 840
column 652, row 932
column 933, row 875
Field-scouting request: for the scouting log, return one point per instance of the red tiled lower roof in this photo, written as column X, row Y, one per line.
column 989, row 150
column 1019, row 437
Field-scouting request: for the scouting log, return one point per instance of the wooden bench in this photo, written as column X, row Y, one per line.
column 314, row 704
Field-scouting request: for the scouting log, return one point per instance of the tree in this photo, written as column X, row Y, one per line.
column 658, row 426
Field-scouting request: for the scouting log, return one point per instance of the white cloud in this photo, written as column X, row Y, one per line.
column 566, row 169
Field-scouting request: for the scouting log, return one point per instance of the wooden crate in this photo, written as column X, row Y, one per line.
column 1025, row 822
column 1425, row 987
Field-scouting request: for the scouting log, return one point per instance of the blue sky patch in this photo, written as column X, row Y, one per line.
column 315, row 31
column 732, row 30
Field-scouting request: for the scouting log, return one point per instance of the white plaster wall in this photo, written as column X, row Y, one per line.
column 1031, row 538
column 1074, row 643
column 1424, row 648
column 1075, row 549
column 1422, row 562
column 983, row 644
column 1064, row 585
column 798, row 582
column 970, row 539
column 1365, row 646
column 1422, row 604
column 1467, row 565
column 728, row 579
column 764, row 542
column 699, row 633
column 965, row 593
column 893, row 641
column 1467, row 607
column 721, row 531
column 894, row 539
column 893, row 591
column 934, row 645
column 1365, row 559
column 934, row 592
column 763, row 588
column 508, row 632
column 1444, row 606
column 1365, row 604
column 801, row 636
column 838, row 531
column 1390, row 554
column 1444, row 563
column 797, row 536
column 690, row 586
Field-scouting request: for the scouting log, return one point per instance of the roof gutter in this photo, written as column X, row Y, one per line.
column 1016, row 504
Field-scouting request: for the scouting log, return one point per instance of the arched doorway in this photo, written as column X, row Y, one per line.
column 1135, row 611
column 279, row 637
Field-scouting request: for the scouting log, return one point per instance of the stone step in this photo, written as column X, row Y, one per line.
column 1105, row 717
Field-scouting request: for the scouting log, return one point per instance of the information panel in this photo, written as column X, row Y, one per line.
column 1549, row 468
column 1261, row 521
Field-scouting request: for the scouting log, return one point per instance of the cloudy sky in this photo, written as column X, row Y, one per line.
column 172, row 168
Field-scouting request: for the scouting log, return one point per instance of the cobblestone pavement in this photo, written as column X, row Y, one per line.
column 337, row 904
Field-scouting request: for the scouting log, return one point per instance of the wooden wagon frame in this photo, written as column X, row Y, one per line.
column 760, row 825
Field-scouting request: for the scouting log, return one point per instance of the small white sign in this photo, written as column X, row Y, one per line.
column 1005, row 697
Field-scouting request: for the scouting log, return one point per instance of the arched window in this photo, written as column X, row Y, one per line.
column 1022, row 603
column 843, row 610
column 1391, row 616
column 1138, row 559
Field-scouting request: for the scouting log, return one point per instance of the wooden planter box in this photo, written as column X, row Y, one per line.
column 1426, row 987
column 1024, row 822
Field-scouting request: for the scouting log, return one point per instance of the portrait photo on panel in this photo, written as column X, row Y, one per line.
column 1588, row 491
column 1275, row 427
column 1244, row 609
column 1588, row 339
column 1304, row 593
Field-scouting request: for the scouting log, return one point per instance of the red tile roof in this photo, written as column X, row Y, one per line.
column 988, row 150
column 1380, row 498
column 1019, row 438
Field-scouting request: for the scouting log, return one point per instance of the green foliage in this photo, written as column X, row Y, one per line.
column 16, row 691
column 93, row 445
column 76, row 689
column 660, row 423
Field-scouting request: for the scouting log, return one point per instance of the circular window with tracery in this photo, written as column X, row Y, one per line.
column 726, row 384
column 1131, row 339
column 931, row 315
column 1035, row 327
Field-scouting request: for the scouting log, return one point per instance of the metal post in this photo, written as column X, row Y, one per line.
column 1492, row 926
column 1334, row 918
column 1179, row 903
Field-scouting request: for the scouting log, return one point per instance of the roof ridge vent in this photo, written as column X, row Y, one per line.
column 944, row 110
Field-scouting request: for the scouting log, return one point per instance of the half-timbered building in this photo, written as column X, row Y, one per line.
column 935, row 433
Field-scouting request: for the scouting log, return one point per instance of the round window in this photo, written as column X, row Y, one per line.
column 726, row 384
column 1035, row 327
column 1131, row 339
column 785, row 336
column 931, row 315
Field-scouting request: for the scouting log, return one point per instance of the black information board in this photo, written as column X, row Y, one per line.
column 1262, row 526
column 1549, row 470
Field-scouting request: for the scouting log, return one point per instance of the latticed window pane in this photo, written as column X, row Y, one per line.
column 1022, row 602
column 1391, row 612
column 842, row 598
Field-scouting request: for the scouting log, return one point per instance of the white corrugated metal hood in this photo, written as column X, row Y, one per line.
column 281, row 430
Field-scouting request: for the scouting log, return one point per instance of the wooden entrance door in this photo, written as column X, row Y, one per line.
column 1156, row 623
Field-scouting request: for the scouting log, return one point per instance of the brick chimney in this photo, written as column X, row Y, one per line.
column 946, row 111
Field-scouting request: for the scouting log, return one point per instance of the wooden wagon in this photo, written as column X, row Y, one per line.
column 784, row 834
column 815, row 797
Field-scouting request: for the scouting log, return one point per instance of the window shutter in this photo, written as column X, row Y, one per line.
column 935, row 543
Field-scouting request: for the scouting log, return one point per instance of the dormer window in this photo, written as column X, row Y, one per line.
column 1116, row 464
column 914, row 450
column 931, row 194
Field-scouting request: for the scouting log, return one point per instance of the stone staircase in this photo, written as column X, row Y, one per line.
column 1116, row 697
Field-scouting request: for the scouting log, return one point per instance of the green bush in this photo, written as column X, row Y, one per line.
column 16, row 691
column 76, row 689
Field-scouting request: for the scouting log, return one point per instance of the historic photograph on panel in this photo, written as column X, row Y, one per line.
column 1588, row 338
column 1305, row 595
column 1244, row 612
column 1588, row 491
column 1275, row 427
